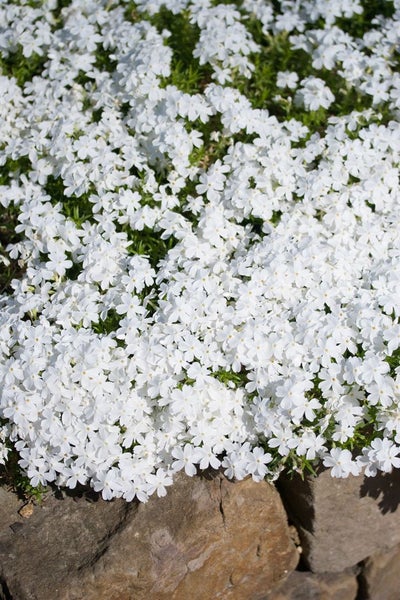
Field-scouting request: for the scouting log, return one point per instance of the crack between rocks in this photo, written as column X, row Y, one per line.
column 5, row 593
column 221, row 507
column 362, row 591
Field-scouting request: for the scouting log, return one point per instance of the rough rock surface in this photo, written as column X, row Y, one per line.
column 9, row 507
column 208, row 538
column 380, row 579
column 322, row 586
column 343, row 521
column 39, row 552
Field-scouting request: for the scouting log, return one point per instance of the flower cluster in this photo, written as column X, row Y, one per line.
column 205, row 271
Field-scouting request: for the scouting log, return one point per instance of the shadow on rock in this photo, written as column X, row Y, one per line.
column 386, row 486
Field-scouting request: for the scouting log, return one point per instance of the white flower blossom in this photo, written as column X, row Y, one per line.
column 192, row 280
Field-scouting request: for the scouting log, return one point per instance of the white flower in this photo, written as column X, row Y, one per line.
column 257, row 464
column 287, row 79
column 341, row 463
column 157, row 482
column 384, row 454
column 186, row 459
column 207, row 458
column 196, row 279
column 314, row 93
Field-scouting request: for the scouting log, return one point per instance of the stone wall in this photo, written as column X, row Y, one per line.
column 209, row 538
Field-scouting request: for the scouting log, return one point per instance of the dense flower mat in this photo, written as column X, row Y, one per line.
column 199, row 239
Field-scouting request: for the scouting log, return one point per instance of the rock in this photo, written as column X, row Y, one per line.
column 323, row 586
column 343, row 521
column 380, row 577
column 38, row 554
column 10, row 505
column 208, row 538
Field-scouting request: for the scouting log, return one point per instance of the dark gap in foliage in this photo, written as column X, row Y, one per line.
column 21, row 67
column 148, row 242
column 358, row 25
column 12, row 477
column 77, row 208
column 187, row 74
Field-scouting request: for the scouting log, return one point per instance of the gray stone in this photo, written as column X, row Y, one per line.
column 321, row 586
column 208, row 538
column 10, row 505
column 343, row 521
column 380, row 578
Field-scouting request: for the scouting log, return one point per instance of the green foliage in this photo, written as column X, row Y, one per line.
column 236, row 3
column 11, row 269
column 22, row 68
column 76, row 208
column 12, row 169
column 364, row 432
column 292, row 463
column 229, row 377
column 149, row 243
column 276, row 217
column 109, row 324
column 347, row 97
column 186, row 72
column 131, row 12
column 213, row 148
column 12, row 476
column 275, row 54
column 57, row 11
column 8, row 221
column 256, row 224
column 358, row 25
column 73, row 272
column 104, row 62
column 393, row 361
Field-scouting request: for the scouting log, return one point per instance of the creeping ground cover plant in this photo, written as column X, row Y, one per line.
column 199, row 239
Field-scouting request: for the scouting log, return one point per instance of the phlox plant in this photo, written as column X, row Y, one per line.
column 199, row 248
